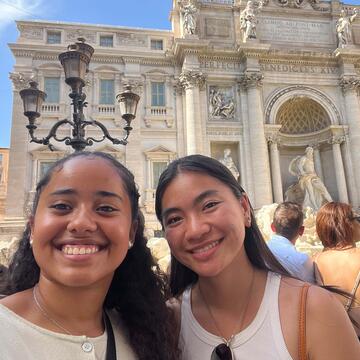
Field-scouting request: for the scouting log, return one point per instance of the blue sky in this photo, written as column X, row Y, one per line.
column 135, row 13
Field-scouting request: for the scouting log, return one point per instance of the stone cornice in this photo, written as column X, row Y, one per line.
column 186, row 46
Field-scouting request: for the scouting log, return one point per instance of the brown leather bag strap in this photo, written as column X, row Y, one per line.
column 302, row 322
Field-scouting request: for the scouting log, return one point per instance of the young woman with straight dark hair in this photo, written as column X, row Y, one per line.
column 232, row 298
column 81, row 284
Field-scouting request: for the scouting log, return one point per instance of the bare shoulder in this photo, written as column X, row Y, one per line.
column 330, row 334
column 18, row 303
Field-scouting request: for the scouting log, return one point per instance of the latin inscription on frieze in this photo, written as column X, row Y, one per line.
column 217, row 27
column 305, row 69
column 219, row 65
column 294, row 31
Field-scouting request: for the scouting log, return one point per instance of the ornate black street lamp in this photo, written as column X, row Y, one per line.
column 75, row 62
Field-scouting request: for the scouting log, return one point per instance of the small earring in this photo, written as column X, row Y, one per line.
column 31, row 241
column 130, row 244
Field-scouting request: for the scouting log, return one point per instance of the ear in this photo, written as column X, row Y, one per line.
column 301, row 230
column 273, row 227
column 133, row 230
column 245, row 204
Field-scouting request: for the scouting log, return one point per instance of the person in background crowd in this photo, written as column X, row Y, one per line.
column 232, row 298
column 288, row 227
column 81, row 284
column 338, row 228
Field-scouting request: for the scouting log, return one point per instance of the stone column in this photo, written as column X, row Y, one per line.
column 349, row 171
column 335, row 141
column 349, row 85
column 19, row 163
column 259, row 150
column 317, row 161
column 246, row 156
column 275, row 169
column 192, row 81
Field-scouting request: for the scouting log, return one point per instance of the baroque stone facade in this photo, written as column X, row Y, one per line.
column 203, row 90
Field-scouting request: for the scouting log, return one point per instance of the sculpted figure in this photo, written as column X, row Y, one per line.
column 343, row 28
column 228, row 161
column 313, row 189
column 220, row 104
column 189, row 13
column 248, row 20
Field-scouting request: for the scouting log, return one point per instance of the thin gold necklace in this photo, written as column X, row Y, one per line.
column 229, row 341
column 45, row 313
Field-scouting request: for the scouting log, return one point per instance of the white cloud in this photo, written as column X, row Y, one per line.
column 11, row 10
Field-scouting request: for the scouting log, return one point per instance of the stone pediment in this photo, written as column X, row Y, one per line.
column 158, row 149
column 50, row 66
column 45, row 149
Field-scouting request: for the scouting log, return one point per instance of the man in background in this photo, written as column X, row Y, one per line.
column 288, row 227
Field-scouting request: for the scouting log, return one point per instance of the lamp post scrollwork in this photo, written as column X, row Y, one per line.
column 76, row 62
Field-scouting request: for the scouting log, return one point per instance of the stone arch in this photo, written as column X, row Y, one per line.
column 301, row 93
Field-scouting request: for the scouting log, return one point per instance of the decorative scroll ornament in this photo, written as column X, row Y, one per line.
column 21, row 80
column 348, row 83
column 191, row 78
column 252, row 79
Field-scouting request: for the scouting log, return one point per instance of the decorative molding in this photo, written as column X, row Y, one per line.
column 191, row 78
column 73, row 35
column 337, row 140
column 251, row 79
column 349, row 83
column 31, row 32
column 219, row 131
column 299, row 90
column 21, row 80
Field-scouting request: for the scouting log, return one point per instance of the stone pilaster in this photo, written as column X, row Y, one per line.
column 258, row 145
column 19, row 161
column 192, row 81
column 350, row 85
column 335, row 141
column 275, row 169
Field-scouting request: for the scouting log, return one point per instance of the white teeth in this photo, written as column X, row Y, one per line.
column 206, row 248
column 79, row 250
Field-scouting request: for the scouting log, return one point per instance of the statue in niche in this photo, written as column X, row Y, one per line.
column 189, row 13
column 228, row 161
column 248, row 20
column 220, row 104
column 310, row 191
column 343, row 28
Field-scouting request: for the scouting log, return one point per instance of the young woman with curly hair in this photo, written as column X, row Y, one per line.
column 81, row 284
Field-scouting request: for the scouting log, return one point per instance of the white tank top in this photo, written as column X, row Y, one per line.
column 261, row 340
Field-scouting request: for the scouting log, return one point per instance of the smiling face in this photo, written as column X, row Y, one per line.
column 82, row 225
column 204, row 223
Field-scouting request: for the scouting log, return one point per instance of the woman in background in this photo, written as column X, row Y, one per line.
column 338, row 228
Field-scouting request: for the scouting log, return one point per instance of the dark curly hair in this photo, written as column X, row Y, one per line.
column 138, row 288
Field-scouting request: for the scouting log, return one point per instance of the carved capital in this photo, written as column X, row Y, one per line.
column 339, row 139
column 349, row 83
column 251, row 79
column 273, row 139
column 21, row 80
column 189, row 79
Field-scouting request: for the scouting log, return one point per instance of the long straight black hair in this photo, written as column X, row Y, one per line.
column 256, row 249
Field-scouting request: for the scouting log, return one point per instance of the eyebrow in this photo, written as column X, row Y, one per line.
column 196, row 201
column 101, row 193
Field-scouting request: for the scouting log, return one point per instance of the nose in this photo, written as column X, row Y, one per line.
column 82, row 221
column 196, row 228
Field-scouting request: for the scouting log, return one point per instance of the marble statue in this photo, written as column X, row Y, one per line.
column 309, row 185
column 248, row 20
column 228, row 161
column 343, row 28
column 220, row 105
column 189, row 12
